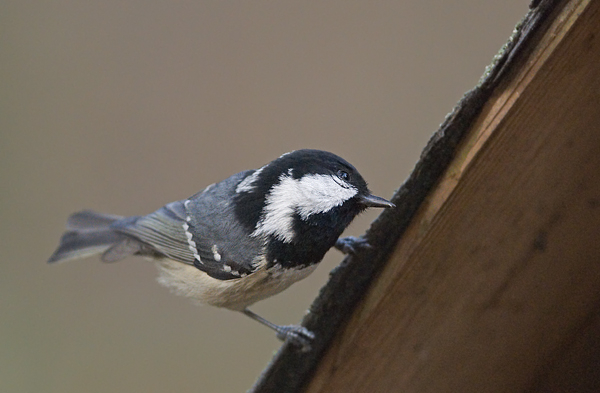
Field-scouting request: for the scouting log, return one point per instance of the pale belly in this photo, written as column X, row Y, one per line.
column 236, row 294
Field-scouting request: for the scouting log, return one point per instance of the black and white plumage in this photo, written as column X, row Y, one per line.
column 241, row 240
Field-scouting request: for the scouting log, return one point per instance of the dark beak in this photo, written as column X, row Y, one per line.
column 374, row 201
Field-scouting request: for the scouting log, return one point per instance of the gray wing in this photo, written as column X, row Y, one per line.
column 160, row 233
column 225, row 248
column 201, row 231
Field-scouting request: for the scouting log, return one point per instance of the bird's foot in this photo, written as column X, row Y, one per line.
column 297, row 335
column 351, row 244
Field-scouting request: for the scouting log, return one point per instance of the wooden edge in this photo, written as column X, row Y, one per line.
column 498, row 271
column 290, row 370
column 494, row 112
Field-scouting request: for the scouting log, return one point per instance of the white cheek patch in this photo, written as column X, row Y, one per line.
column 311, row 194
column 321, row 193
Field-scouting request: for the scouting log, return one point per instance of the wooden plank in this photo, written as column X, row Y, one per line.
column 290, row 370
column 501, row 267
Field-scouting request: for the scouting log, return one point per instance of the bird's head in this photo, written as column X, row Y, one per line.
column 304, row 197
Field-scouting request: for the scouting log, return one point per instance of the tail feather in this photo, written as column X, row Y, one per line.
column 90, row 220
column 88, row 233
column 122, row 249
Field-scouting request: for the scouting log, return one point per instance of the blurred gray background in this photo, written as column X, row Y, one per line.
column 125, row 106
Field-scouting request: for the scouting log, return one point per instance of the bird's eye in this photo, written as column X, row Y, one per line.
column 343, row 175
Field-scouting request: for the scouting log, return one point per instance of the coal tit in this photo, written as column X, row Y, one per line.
column 241, row 240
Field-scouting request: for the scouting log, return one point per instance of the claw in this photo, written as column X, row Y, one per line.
column 351, row 244
column 296, row 335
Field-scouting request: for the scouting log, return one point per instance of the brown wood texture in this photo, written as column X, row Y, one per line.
column 498, row 276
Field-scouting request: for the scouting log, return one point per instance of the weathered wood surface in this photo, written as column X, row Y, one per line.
column 486, row 278
column 498, row 276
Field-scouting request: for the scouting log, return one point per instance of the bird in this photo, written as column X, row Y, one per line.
column 241, row 240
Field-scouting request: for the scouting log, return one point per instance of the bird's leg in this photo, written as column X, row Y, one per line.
column 296, row 334
column 351, row 244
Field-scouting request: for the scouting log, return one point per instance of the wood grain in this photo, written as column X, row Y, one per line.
column 500, row 270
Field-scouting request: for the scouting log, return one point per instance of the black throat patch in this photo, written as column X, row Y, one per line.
column 313, row 237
